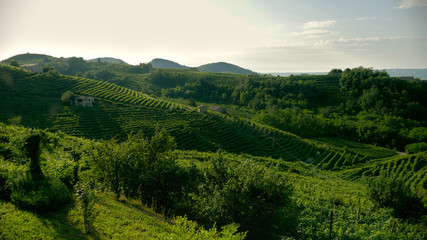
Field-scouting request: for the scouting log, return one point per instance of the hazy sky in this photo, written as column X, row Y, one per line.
column 262, row 35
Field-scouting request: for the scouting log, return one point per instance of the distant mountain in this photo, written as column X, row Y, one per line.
column 108, row 60
column 223, row 67
column 30, row 58
column 417, row 73
column 163, row 63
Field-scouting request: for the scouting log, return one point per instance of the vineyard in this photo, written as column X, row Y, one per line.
column 225, row 169
column 317, row 195
column 119, row 111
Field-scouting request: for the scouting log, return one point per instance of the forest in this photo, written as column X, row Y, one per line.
column 336, row 156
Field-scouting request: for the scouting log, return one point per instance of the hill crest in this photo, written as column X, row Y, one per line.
column 223, row 67
column 164, row 63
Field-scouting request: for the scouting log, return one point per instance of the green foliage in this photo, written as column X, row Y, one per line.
column 40, row 196
column 32, row 149
column 419, row 134
column 186, row 229
column 416, row 148
column 192, row 102
column 85, row 199
column 136, row 166
column 246, row 193
column 15, row 120
column 389, row 191
column 66, row 97
column 376, row 92
column 335, row 71
column 383, row 130
column 14, row 63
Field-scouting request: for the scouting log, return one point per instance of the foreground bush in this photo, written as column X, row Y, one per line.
column 40, row 196
column 387, row 190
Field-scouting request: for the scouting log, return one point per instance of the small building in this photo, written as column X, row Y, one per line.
column 218, row 109
column 202, row 109
column 84, row 101
column 33, row 67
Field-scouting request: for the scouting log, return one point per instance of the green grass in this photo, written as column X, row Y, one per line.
column 114, row 220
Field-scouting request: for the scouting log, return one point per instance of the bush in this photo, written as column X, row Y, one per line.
column 416, row 147
column 246, row 193
column 40, row 196
column 66, row 97
column 389, row 191
column 5, row 190
column 8, row 172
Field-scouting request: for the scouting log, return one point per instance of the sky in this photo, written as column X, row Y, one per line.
column 261, row 35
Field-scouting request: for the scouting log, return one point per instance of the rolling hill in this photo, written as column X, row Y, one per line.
column 316, row 194
column 28, row 58
column 163, row 63
column 108, row 60
column 223, row 67
column 36, row 101
column 328, row 174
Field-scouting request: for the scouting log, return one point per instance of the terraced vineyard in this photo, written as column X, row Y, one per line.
column 412, row 169
column 119, row 111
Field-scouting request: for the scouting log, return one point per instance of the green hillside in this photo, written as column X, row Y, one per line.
column 316, row 194
column 108, row 60
column 118, row 111
column 31, row 58
column 163, row 63
column 223, row 67
column 142, row 156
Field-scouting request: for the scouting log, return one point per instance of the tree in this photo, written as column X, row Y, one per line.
column 192, row 102
column 246, row 193
column 388, row 190
column 32, row 149
column 158, row 175
column 66, row 97
column 107, row 161
column 419, row 134
column 335, row 71
column 14, row 63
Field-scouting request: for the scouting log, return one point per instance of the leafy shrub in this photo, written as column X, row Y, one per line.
column 40, row 196
column 8, row 172
column 5, row 190
column 86, row 199
column 389, row 191
column 248, row 193
column 416, row 147
column 66, row 97
column 186, row 229
column 30, row 189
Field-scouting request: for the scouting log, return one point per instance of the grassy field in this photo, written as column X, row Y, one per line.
column 114, row 220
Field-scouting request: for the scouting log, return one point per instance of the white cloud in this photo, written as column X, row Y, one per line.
column 318, row 24
column 405, row 4
column 311, row 32
column 366, row 41
column 315, row 29
column 366, row 18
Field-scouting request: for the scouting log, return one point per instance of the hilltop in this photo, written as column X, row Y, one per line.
column 28, row 58
column 108, row 60
column 163, row 63
column 78, row 64
column 223, row 67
